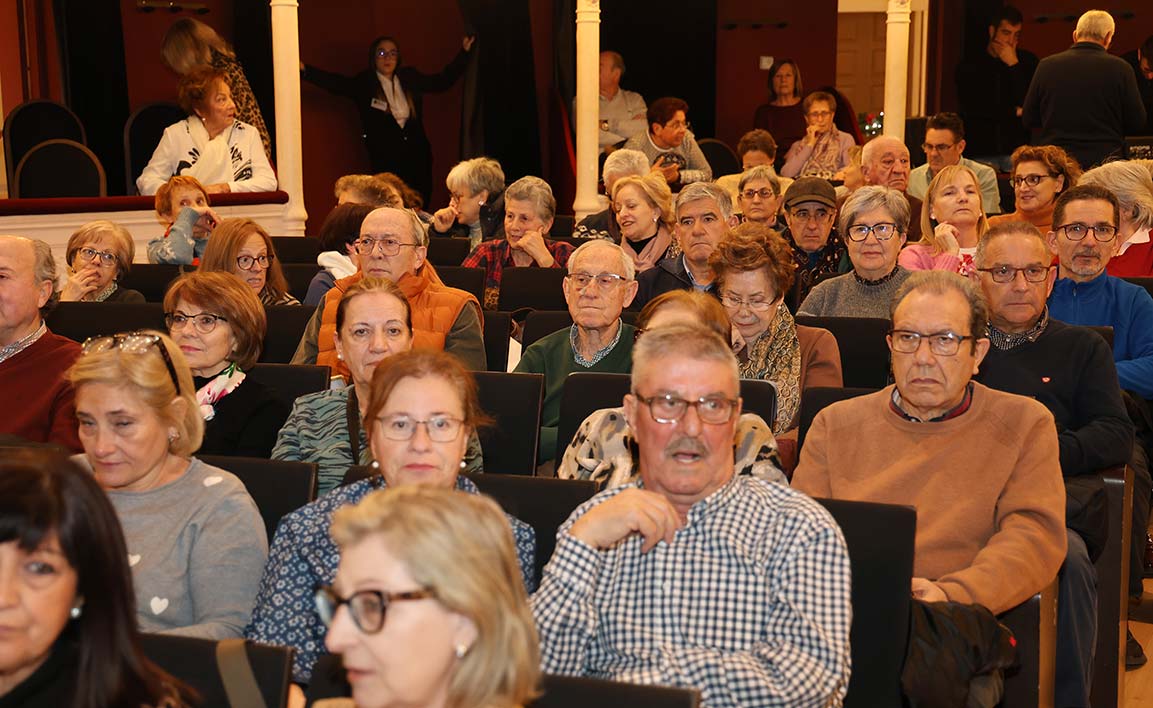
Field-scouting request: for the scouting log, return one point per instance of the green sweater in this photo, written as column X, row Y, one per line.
column 553, row 357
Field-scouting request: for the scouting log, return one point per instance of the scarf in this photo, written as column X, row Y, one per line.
column 776, row 357
column 652, row 253
column 220, row 386
column 395, row 98
column 213, row 162
column 814, row 267
column 825, row 160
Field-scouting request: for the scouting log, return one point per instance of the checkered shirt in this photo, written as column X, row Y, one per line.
column 750, row 604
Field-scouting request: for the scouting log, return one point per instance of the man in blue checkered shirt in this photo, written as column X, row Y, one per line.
column 693, row 576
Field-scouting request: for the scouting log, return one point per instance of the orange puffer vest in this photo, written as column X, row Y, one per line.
column 435, row 307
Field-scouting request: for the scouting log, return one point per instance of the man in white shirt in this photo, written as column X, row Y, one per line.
column 943, row 146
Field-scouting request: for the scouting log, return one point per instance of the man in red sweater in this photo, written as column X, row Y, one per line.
column 33, row 361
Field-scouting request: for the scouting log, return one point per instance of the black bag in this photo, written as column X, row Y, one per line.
column 1087, row 511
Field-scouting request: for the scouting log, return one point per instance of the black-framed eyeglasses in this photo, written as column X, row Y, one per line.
column 387, row 53
column 604, row 281
column 132, row 343
column 1008, row 274
column 1077, row 231
column 106, row 258
column 440, row 428
column 860, row 232
column 246, row 262
column 388, row 246
column 906, row 341
column 936, row 148
column 367, row 607
column 764, row 193
column 203, row 322
column 714, row 410
column 1031, row 180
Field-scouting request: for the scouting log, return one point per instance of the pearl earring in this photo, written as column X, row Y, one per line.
column 339, row 356
column 462, row 465
column 75, row 612
column 461, row 650
column 374, row 465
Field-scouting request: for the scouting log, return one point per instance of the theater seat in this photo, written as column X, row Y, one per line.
column 152, row 279
column 278, row 487
column 864, row 351
column 59, row 168
column 470, row 280
column 535, row 288
column 33, row 122
column 514, row 402
column 286, row 325
column 296, row 249
column 447, row 251
column 291, row 381
column 142, row 133
column 193, row 661
column 1034, row 626
column 80, row 320
column 497, row 331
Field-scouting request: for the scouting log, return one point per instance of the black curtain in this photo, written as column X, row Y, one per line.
column 95, row 79
column 500, row 105
column 252, row 41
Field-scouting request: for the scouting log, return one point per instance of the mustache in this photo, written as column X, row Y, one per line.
column 686, row 444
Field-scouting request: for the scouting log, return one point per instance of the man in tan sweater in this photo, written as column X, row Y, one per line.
column 980, row 466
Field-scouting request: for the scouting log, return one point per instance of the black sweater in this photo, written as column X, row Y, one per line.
column 1070, row 371
column 246, row 421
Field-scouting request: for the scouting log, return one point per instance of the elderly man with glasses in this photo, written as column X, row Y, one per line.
column 695, row 576
column 944, row 145
column 810, row 206
column 980, row 466
column 393, row 245
column 600, row 284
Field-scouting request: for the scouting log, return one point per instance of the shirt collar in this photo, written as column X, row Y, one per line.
column 1012, row 340
column 954, row 412
column 707, row 507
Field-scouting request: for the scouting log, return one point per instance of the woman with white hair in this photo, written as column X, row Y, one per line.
column 476, row 201
column 619, row 164
column 1131, row 183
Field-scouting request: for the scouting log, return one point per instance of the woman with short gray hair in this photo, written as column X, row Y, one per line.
column 1131, row 183
column 874, row 223
column 476, row 201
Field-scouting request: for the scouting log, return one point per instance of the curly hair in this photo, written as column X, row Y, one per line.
column 163, row 199
column 755, row 246
column 196, row 86
column 707, row 309
column 1057, row 161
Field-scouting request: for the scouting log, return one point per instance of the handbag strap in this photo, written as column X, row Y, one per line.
column 236, row 674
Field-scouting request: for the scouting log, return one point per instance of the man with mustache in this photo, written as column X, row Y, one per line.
column 694, row 576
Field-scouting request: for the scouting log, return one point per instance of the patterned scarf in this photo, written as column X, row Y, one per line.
column 825, row 160
column 812, row 268
column 776, row 356
column 220, row 386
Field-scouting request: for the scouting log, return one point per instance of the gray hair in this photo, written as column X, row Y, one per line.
column 627, row 265
column 535, row 191
column 941, row 282
column 478, row 174
column 690, row 341
column 873, row 149
column 761, row 172
column 1009, row 228
column 696, row 191
column 876, row 197
column 1095, row 25
column 1131, row 183
column 624, row 163
column 415, row 225
column 44, row 268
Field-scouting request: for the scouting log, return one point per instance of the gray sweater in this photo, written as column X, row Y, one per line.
column 845, row 296
column 197, row 548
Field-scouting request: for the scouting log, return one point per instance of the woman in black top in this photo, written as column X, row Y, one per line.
column 388, row 98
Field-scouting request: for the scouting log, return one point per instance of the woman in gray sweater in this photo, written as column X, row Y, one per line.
column 196, row 542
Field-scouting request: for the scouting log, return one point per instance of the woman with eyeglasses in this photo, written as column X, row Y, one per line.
column 196, row 542
column 1040, row 174
column 759, row 195
column 754, row 269
column 476, row 202
column 388, row 97
column 99, row 255
column 874, row 222
column 952, row 222
column 823, row 151
column 1130, row 182
column 427, row 608
column 242, row 247
column 420, row 414
column 219, row 325
column 603, row 449
column 645, row 214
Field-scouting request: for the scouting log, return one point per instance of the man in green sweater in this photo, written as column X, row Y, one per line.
column 599, row 285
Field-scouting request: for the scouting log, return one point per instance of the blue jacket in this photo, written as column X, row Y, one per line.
column 1127, row 308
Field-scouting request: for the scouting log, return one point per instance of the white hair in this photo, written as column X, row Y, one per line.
column 625, row 163
column 1095, row 25
column 627, row 265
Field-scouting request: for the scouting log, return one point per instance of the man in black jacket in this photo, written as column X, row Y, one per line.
column 1084, row 99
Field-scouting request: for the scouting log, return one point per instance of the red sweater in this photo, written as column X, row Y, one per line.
column 1135, row 262
column 40, row 405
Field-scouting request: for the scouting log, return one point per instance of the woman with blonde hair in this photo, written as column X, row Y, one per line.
column 99, row 255
column 441, row 564
column 242, row 247
column 644, row 208
column 952, row 222
column 196, row 542
column 190, row 43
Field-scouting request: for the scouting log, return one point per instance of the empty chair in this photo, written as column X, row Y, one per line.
column 296, row 249
column 535, row 288
column 194, row 661
column 151, row 279
column 720, row 156
column 290, row 381
column 142, row 133
column 59, row 168
column 514, row 402
column 286, row 325
column 278, row 487
column 470, row 280
column 80, row 320
column 447, row 251
column 32, row 123
column 864, row 351
column 497, row 330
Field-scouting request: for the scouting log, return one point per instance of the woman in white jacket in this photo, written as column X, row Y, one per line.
column 225, row 154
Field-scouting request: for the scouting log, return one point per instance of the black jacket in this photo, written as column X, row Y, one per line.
column 667, row 275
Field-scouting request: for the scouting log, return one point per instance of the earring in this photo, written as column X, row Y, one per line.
column 173, row 436
column 480, row 203
column 339, row 356
column 462, row 464
column 374, row 465
column 75, row 612
column 461, row 650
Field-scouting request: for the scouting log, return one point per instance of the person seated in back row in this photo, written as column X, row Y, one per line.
column 182, row 207
column 945, row 145
column 670, row 146
column 99, row 255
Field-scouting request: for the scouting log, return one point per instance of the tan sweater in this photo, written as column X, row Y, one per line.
column 986, row 485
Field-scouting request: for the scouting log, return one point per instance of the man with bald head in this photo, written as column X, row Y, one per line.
column 394, row 245
column 33, row 361
column 885, row 162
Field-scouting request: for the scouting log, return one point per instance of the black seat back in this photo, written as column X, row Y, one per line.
column 296, row 249
column 299, row 277
column 720, row 157
column 581, row 692
column 80, row 320
column 278, row 487
column 193, row 661
column 514, row 403
column 562, row 226
column 470, row 280
column 816, row 398
column 541, row 323
column 880, row 539
column 33, row 122
column 59, row 168
column 536, row 288
column 290, row 381
column 152, row 279
column 142, row 133
column 286, row 325
column 864, row 351
column 446, row 251
column 497, row 331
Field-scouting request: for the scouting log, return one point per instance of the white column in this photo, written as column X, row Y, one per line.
column 286, row 77
column 588, row 42
column 896, row 67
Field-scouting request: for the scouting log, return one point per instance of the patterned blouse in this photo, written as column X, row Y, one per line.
column 247, row 110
